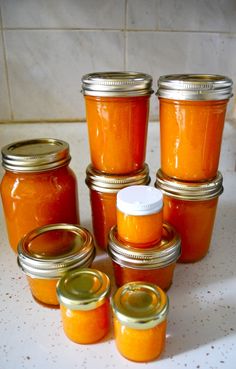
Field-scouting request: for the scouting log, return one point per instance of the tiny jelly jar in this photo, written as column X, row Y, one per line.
column 38, row 186
column 140, row 319
column 103, row 191
column 139, row 215
column 191, row 209
column 155, row 265
column 48, row 252
column 192, row 117
column 117, row 112
column 84, row 304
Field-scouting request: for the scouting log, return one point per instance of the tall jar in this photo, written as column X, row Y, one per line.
column 38, row 186
column 117, row 111
column 191, row 209
column 192, row 116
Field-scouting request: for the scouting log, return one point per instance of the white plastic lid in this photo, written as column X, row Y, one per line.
column 139, row 200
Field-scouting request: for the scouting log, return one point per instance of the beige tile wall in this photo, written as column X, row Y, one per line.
column 47, row 45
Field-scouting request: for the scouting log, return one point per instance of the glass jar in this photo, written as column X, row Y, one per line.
column 48, row 252
column 192, row 115
column 139, row 215
column 103, row 190
column 140, row 319
column 117, row 112
column 155, row 265
column 38, row 186
column 84, row 304
column 191, row 209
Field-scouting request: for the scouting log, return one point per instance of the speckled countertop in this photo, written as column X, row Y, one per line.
column 202, row 320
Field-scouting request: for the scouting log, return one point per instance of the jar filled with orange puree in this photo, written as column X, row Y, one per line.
column 117, row 112
column 38, row 186
column 192, row 116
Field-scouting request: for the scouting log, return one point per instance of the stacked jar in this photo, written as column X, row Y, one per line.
column 192, row 116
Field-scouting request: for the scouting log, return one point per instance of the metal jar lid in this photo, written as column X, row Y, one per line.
column 102, row 182
column 195, row 87
column 190, row 191
column 113, row 84
column 140, row 305
column 35, row 155
column 83, row 289
column 164, row 253
column 51, row 250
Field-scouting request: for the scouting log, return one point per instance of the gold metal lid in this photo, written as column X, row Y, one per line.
column 160, row 255
column 140, row 305
column 83, row 289
column 190, row 191
column 50, row 251
column 35, row 155
column 103, row 182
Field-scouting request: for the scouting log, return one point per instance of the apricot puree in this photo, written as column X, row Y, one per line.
column 44, row 290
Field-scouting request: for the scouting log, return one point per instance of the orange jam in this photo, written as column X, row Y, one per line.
column 48, row 252
column 84, row 302
column 191, row 209
column 38, row 187
column 103, row 191
column 117, row 111
column 155, row 265
column 140, row 319
column 192, row 116
column 139, row 215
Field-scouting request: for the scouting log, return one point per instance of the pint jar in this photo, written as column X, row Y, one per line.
column 117, row 112
column 38, row 186
column 46, row 253
column 192, row 116
column 191, row 209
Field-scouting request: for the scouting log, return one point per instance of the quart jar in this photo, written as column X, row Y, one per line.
column 38, row 186
column 139, row 215
column 46, row 253
column 140, row 319
column 103, row 190
column 192, row 116
column 155, row 265
column 117, row 112
column 84, row 304
column 191, row 209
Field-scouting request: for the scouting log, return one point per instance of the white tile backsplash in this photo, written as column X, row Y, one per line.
column 4, row 98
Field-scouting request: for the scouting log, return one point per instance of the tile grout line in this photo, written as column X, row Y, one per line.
column 125, row 35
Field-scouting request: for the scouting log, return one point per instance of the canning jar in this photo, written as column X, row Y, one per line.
column 140, row 318
column 38, row 186
column 84, row 304
column 139, row 215
column 117, row 111
column 46, row 253
column 191, row 209
column 103, row 190
column 192, row 116
column 155, row 265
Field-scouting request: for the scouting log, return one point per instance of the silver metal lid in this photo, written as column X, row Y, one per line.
column 102, row 182
column 160, row 255
column 190, row 191
column 35, row 155
column 49, row 251
column 195, row 87
column 117, row 84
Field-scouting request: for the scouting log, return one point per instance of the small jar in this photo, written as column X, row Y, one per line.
column 38, row 187
column 155, row 265
column 140, row 319
column 103, row 190
column 84, row 303
column 139, row 215
column 192, row 116
column 191, row 209
column 117, row 112
column 48, row 252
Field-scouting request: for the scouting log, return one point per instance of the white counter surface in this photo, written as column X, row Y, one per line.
column 202, row 319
